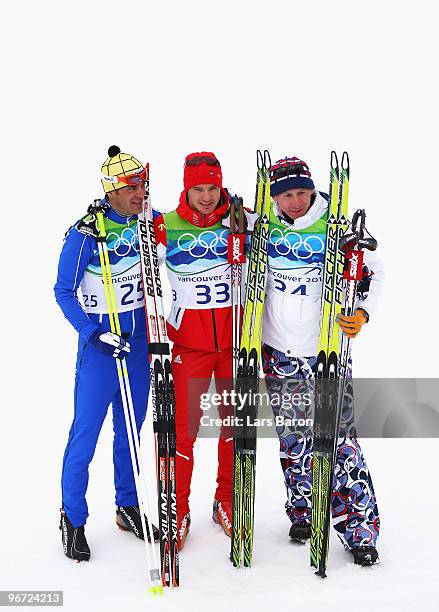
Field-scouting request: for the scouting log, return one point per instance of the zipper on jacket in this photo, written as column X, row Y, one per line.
column 215, row 339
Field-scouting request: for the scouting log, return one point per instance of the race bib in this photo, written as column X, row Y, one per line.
column 298, row 281
column 128, row 290
column 207, row 289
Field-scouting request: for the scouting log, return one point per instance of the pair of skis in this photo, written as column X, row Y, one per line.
column 342, row 271
column 247, row 372
column 162, row 392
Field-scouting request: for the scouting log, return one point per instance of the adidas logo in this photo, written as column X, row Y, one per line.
column 178, row 359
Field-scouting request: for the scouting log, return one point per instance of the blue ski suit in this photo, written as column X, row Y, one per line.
column 96, row 381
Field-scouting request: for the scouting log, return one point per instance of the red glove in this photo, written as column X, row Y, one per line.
column 351, row 326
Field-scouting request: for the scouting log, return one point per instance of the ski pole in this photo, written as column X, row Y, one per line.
column 127, row 402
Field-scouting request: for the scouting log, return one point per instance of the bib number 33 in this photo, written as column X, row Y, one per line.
column 206, row 294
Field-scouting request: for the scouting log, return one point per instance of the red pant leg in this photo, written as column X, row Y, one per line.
column 223, row 380
column 187, row 365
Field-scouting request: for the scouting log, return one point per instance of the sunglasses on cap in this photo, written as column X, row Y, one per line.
column 202, row 159
column 128, row 179
column 289, row 170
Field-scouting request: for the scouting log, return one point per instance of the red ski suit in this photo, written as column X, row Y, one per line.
column 202, row 340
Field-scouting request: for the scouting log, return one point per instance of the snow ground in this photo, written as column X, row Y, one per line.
column 280, row 577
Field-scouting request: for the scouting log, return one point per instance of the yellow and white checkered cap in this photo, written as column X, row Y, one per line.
column 117, row 164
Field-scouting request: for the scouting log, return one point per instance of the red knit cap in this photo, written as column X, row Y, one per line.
column 200, row 171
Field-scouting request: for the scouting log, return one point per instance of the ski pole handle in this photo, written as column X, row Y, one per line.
column 369, row 242
column 232, row 217
column 239, row 208
column 356, row 237
column 236, row 213
column 97, row 207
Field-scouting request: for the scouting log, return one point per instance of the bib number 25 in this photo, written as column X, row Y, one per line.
column 127, row 296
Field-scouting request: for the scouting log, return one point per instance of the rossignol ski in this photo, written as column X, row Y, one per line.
column 342, row 270
column 127, row 402
column 248, row 373
column 163, row 395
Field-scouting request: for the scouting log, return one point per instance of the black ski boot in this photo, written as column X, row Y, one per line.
column 128, row 519
column 73, row 540
column 300, row 532
column 365, row 555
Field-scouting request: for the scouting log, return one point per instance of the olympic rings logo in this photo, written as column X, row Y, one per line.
column 125, row 242
column 207, row 241
column 292, row 242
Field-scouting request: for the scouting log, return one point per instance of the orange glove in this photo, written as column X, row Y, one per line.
column 351, row 325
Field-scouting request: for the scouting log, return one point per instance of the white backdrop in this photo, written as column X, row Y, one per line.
column 164, row 79
column 161, row 80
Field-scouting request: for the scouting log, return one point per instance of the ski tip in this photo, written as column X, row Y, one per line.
column 334, row 160
column 345, row 162
column 267, row 160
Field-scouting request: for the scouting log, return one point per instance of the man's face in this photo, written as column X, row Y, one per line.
column 128, row 200
column 204, row 198
column 295, row 202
